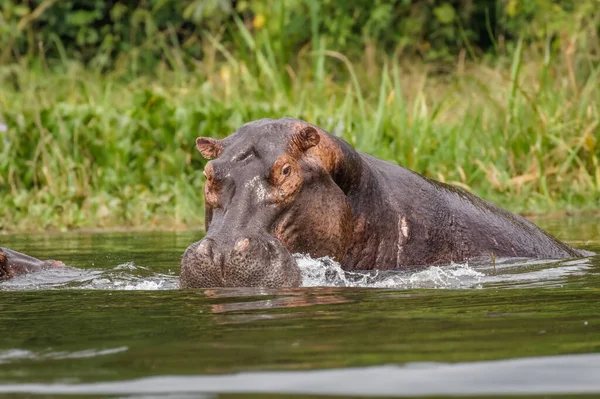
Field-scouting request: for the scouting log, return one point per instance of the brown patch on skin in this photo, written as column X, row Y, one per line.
column 211, row 186
column 209, row 148
column 322, row 225
column 284, row 186
column 282, row 232
column 328, row 153
column 325, row 151
column 305, row 139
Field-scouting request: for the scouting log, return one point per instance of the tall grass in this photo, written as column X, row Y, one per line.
column 85, row 150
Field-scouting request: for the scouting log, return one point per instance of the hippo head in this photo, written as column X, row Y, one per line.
column 269, row 192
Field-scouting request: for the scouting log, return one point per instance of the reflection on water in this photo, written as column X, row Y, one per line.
column 280, row 302
column 118, row 325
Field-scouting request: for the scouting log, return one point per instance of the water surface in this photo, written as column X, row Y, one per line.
column 120, row 327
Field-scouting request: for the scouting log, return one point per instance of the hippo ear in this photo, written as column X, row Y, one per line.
column 209, row 148
column 306, row 138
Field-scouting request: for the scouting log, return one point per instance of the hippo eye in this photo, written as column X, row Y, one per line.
column 286, row 170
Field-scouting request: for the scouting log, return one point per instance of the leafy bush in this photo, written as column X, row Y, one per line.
column 100, row 101
column 99, row 31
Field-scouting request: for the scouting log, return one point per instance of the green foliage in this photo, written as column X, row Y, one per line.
column 98, row 31
column 103, row 134
column 104, row 32
column 86, row 150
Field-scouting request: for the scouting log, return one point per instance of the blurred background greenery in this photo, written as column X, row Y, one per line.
column 101, row 100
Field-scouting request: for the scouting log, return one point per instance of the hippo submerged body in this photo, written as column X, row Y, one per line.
column 277, row 187
column 13, row 263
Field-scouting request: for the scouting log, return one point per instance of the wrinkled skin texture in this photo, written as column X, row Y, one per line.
column 13, row 263
column 277, row 187
column 243, row 264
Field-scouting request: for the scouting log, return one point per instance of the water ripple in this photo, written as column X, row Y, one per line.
column 566, row 374
column 13, row 355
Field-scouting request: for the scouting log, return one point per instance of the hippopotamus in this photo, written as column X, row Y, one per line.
column 13, row 263
column 278, row 187
column 275, row 188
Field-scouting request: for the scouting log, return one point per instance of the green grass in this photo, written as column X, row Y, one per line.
column 85, row 150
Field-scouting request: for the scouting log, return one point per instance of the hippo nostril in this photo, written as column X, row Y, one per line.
column 204, row 249
column 241, row 244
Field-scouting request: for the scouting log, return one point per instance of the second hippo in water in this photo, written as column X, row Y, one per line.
column 13, row 263
column 277, row 187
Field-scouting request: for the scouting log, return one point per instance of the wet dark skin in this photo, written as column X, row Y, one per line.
column 313, row 193
column 13, row 263
column 278, row 187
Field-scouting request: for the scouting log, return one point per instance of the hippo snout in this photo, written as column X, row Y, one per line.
column 247, row 261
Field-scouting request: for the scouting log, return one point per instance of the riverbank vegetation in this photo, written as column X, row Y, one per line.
column 100, row 103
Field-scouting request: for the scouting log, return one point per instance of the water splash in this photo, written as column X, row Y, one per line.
column 126, row 277
column 504, row 273
column 325, row 272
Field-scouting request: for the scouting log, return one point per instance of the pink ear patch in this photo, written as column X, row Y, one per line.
column 209, row 148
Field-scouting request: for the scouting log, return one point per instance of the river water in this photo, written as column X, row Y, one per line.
column 119, row 327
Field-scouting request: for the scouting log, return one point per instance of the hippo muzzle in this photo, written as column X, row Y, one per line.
column 251, row 261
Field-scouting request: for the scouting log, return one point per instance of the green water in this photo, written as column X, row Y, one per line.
column 122, row 319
